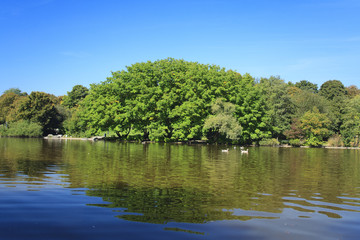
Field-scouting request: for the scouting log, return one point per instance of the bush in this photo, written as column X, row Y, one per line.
column 313, row 142
column 23, row 129
column 296, row 142
column 269, row 142
column 335, row 141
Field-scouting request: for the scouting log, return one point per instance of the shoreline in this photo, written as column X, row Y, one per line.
column 101, row 138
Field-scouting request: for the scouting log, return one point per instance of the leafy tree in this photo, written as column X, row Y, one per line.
column 295, row 131
column 352, row 91
column 307, row 86
column 168, row 100
column 336, row 93
column 315, row 126
column 39, row 107
column 279, row 107
column 6, row 105
column 73, row 98
column 350, row 129
column 332, row 89
column 305, row 101
column 17, row 91
column 222, row 121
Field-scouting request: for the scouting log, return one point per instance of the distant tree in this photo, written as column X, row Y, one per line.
column 279, row 107
column 17, row 91
column 295, row 131
column 336, row 93
column 6, row 104
column 315, row 126
column 307, row 86
column 332, row 89
column 305, row 101
column 352, row 91
column 39, row 107
column 73, row 98
column 350, row 129
column 222, row 122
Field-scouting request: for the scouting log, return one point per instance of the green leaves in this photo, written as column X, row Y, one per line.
column 73, row 98
column 315, row 126
column 167, row 100
column 350, row 129
column 222, row 121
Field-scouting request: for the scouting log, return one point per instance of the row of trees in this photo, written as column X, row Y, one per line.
column 176, row 100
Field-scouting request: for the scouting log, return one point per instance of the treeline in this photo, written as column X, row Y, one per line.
column 175, row 100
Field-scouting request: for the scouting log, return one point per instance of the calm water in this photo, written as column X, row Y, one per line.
column 52, row 189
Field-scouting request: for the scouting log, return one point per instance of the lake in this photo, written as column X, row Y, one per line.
column 68, row 189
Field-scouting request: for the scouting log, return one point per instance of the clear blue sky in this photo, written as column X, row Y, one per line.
column 53, row 45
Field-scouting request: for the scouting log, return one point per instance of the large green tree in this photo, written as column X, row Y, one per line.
column 332, row 90
column 39, row 107
column 279, row 107
column 169, row 100
column 7, row 101
column 350, row 129
column 73, row 97
column 305, row 101
column 315, row 126
column 307, row 86
column 336, row 93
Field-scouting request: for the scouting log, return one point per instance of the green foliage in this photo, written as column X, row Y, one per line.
column 269, row 142
column 73, row 98
column 222, row 121
column 296, row 142
column 6, row 105
column 335, row 141
column 16, row 91
column 335, row 92
column 169, row 100
column 313, row 141
column 279, row 107
column 22, row 129
column 305, row 101
column 307, row 86
column 332, row 89
column 350, row 129
column 176, row 100
column 295, row 131
column 352, row 91
column 39, row 107
column 315, row 126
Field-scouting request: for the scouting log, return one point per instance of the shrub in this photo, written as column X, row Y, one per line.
column 269, row 142
column 296, row 142
column 335, row 141
column 313, row 141
column 24, row 129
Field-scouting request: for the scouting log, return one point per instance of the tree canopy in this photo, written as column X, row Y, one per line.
column 176, row 100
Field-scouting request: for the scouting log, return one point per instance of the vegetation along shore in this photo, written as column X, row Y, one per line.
column 173, row 100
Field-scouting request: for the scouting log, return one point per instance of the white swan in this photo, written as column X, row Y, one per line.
column 245, row 151
column 225, row 150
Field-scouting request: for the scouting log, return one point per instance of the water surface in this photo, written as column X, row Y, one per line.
column 57, row 189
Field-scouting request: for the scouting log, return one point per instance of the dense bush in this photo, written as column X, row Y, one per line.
column 335, row 141
column 22, row 129
column 296, row 142
column 269, row 142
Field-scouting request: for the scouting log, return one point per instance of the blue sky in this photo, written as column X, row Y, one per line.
column 53, row 45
